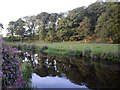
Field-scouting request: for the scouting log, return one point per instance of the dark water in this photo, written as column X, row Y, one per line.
column 66, row 72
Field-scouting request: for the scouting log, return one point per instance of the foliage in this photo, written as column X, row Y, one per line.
column 108, row 24
column 11, row 70
column 99, row 20
column 27, row 73
column 84, row 28
column 20, row 30
column 11, row 29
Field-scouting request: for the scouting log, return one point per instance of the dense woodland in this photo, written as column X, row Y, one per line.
column 99, row 22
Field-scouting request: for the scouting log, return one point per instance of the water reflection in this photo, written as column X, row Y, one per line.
column 52, row 82
column 77, row 73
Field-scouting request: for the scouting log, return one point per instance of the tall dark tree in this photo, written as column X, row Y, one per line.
column 11, row 29
column 107, row 28
column 63, row 29
column 75, row 16
column 84, row 29
column 20, row 28
column 51, row 35
column 42, row 20
column 94, row 11
column 69, row 23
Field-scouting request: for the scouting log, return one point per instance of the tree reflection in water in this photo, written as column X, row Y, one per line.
column 79, row 71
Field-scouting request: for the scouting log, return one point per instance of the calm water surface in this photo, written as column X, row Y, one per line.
column 53, row 82
column 66, row 72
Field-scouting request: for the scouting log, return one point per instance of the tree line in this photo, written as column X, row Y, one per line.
column 99, row 22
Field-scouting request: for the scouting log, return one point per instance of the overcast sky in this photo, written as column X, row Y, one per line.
column 11, row 10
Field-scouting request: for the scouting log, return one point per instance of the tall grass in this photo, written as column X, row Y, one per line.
column 27, row 74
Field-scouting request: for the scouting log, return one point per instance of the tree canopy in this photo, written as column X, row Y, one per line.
column 100, row 20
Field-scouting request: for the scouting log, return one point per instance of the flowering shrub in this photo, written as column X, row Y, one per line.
column 11, row 68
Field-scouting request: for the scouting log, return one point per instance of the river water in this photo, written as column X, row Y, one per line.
column 65, row 72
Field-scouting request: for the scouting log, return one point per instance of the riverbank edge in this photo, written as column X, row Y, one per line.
column 87, row 52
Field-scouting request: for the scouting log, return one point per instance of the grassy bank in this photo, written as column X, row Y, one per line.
column 97, row 48
column 76, row 48
column 94, row 47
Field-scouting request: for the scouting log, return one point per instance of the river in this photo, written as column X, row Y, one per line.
column 67, row 72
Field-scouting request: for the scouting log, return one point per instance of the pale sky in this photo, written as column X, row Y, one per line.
column 11, row 10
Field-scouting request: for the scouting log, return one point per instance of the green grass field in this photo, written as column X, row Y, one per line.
column 110, row 51
column 94, row 47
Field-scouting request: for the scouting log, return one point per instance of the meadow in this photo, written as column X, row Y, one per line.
column 74, row 48
column 95, row 47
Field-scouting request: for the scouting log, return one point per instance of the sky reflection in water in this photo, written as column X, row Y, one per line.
column 52, row 82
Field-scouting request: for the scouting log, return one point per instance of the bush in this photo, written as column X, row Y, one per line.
column 11, row 68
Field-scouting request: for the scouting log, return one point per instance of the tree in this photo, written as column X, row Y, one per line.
column 11, row 29
column 75, row 16
column 42, row 20
column 68, row 24
column 30, row 23
column 94, row 11
column 62, row 29
column 107, row 28
column 51, row 35
column 42, row 32
column 20, row 30
column 52, row 27
column 84, row 29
